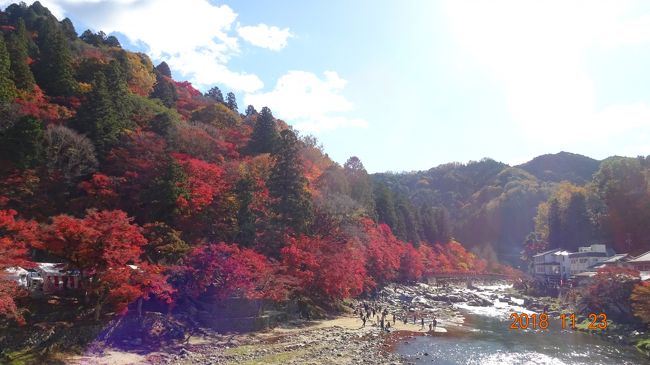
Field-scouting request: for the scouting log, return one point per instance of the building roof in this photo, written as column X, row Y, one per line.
column 546, row 252
column 586, row 274
column 612, row 260
column 15, row 271
column 642, row 258
column 615, row 258
column 588, row 254
column 50, row 268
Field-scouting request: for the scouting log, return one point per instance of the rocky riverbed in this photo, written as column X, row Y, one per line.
column 340, row 340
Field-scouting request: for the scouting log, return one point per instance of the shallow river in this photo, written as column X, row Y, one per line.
column 485, row 338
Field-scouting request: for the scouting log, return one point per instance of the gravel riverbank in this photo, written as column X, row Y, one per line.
column 340, row 340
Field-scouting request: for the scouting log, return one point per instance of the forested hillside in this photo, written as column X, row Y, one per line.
column 153, row 190
column 563, row 166
column 562, row 200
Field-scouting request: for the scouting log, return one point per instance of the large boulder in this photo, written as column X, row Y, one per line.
column 151, row 329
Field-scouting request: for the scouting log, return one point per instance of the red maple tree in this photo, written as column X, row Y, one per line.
column 325, row 267
column 223, row 270
column 15, row 237
column 105, row 247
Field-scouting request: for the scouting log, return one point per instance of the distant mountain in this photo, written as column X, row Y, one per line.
column 557, row 167
column 490, row 205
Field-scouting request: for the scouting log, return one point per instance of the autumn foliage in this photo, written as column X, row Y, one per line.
column 221, row 270
column 325, row 267
column 15, row 236
column 610, row 292
column 149, row 189
column 640, row 299
column 204, row 181
column 105, row 247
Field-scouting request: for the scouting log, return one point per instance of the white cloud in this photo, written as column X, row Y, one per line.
column 309, row 102
column 193, row 36
column 265, row 36
column 538, row 51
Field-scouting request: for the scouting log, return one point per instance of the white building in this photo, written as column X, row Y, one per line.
column 551, row 267
column 45, row 277
column 557, row 266
column 17, row 274
column 586, row 258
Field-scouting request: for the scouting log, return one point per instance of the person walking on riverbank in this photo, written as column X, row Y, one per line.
column 422, row 320
column 393, row 319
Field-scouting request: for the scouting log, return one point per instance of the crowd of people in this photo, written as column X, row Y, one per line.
column 380, row 315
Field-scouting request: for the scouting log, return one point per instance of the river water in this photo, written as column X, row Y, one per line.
column 485, row 337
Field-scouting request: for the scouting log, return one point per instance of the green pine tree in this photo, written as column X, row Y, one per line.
column 385, row 206
column 164, row 90
column 68, row 29
column 245, row 217
column 22, row 143
column 428, row 224
column 17, row 44
column 98, row 117
column 289, row 186
column 117, row 86
column 7, row 87
column 162, row 197
column 250, row 110
column 265, row 133
column 407, row 221
column 53, row 71
column 231, row 101
column 215, row 94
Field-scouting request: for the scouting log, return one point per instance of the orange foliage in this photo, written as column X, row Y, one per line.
column 37, row 105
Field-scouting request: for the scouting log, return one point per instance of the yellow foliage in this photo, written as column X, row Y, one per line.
column 541, row 220
column 564, row 192
column 141, row 76
column 85, row 87
column 216, row 115
column 640, row 299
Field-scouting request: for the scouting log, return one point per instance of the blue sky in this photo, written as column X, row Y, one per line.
column 413, row 84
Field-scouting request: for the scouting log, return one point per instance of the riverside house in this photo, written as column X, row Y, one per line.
column 587, row 257
column 551, row 267
column 641, row 263
column 555, row 267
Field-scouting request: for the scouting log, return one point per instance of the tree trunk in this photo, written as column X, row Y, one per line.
column 140, row 307
column 98, row 309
